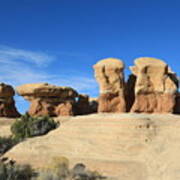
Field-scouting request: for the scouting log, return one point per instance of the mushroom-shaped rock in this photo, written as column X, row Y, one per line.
column 7, row 104
column 110, row 76
column 45, row 98
column 155, row 86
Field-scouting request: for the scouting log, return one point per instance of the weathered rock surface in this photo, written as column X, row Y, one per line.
column 48, row 99
column 7, row 104
column 155, row 88
column 65, row 109
column 126, row 146
column 110, row 76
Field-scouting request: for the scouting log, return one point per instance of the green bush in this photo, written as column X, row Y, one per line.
column 6, row 143
column 9, row 170
column 27, row 126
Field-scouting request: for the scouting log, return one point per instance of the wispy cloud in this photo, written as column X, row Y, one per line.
column 10, row 55
column 19, row 66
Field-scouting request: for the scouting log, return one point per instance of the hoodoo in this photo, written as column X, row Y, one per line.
column 48, row 99
column 110, row 76
column 7, row 104
column 155, row 88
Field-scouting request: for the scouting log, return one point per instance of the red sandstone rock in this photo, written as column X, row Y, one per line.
column 40, row 107
column 111, row 102
column 65, row 109
column 155, row 88
column 7, row 104
column 48, row 99
column 154, row 103
column 110, row 76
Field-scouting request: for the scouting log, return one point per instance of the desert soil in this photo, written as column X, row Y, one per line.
column 5, row 126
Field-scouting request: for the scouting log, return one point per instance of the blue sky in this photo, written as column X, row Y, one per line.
column 58, row 41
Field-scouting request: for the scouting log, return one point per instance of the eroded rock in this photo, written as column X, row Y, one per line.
column 155, row 87
column 48, row 99
column 7, row 104
column 177, row 106
column 110, row 76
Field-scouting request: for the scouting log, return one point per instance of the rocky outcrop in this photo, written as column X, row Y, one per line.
column 93, row 104
column 177, row 106
column 48, row 99
column 82, row 105
column 109, row 74
column 155, row 88
column 125, row 146
column 7, row 104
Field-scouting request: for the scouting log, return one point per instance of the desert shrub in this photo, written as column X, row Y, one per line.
column 6, row 143
column 9, row 170
column 59, row 170
column 27, row 126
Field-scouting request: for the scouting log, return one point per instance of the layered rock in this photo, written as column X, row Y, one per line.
column 48, row 99
column 155, row 88
column 7, row 104
column 109, row 74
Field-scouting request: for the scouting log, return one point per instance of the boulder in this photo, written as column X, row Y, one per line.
column 110, row 76
column 155, row 87
column 7, row 104
column 48, row 99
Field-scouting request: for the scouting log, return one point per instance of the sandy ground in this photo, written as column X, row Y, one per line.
column 5, row 125
column 124, row 146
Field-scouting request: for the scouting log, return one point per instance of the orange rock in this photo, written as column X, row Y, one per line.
column 48, row 99
column 110, row 76
column 7, row 104
column 65, row 109
column 155, row 87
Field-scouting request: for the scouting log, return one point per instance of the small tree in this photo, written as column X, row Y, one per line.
column 28, row 126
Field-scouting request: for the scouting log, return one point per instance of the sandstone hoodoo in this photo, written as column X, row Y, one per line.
column 110, row 76
column 7, row 104
column 48, row 99
column 155, row 88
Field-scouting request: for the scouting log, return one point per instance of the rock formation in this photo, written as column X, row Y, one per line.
column 155, row 88
column 177, row 106
column 82, row 105
column 109, row 74
column 86, row 105
column 93, row 105
column 48, row 99
column 7, row 104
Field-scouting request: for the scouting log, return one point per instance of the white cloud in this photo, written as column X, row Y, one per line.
column 19, row 66
column 9, row 55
